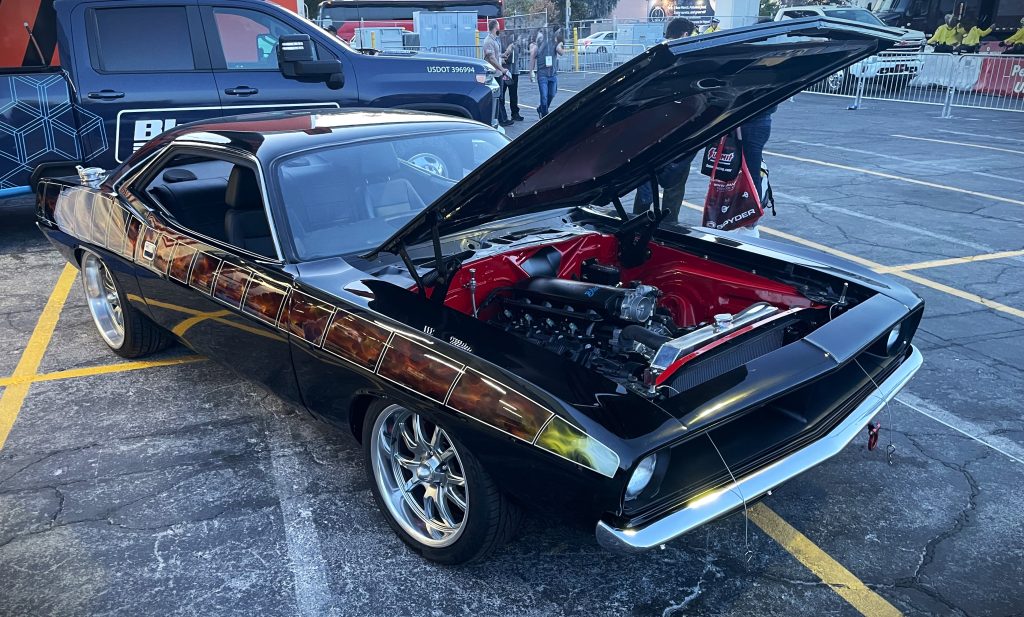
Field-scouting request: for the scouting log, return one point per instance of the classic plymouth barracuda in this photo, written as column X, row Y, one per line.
column 486, row 318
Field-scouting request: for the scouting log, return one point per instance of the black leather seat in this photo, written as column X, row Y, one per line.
column 245, row 222
column 386, row 194
column 196, row 204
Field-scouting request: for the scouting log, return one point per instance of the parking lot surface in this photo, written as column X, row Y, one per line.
column 178, row 488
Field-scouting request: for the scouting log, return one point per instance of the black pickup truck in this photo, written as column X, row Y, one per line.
column 130, row 69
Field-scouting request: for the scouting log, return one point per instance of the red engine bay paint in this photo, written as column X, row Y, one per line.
column 694, row 289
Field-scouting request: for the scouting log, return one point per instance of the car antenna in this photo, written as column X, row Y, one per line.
column 32, row 37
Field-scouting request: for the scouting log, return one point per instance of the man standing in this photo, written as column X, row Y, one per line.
column 672, row 177
column 544, row 55
column 511, row 61
column 712, row 27
column 492, row 54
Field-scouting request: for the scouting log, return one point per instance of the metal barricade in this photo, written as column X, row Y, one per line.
column 982, row 81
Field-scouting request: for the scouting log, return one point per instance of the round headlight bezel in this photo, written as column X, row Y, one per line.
column 892, row 340
column 641, row 477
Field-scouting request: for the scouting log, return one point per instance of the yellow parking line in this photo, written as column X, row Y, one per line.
column 965, row 295
column 953, row 261
column 830, row 571
column 961, row 143
column 13, row 396
column 89, row 371
column 880, row 174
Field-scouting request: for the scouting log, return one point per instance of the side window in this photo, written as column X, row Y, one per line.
column 216, row 198
column 248, row 39
column 141, row 39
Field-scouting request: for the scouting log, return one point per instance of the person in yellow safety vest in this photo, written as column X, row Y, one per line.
column 712, row 27
column 1015, row 44
column 972, row 40
column 947, row 36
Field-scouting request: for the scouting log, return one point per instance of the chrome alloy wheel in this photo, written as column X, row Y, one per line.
column 104, row 302
column 420, row 476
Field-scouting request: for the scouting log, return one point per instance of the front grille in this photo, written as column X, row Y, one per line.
column 761, row 436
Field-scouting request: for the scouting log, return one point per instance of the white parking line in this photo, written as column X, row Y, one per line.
column 879, row 174
column 976, row 246
column 305, row 556
column 1008, row 448
column 997, row 177
column 975, row 135
column 901, row 159
column 959, row 143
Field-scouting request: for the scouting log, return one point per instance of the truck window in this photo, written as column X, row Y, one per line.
column 248, row 39
column 141, row 39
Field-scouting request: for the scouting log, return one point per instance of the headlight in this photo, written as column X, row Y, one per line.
column 893, row 340
column 641, row 477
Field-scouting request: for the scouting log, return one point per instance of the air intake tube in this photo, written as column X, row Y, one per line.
column 642, row 335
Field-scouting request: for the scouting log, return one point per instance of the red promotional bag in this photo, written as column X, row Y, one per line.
column 731, row 203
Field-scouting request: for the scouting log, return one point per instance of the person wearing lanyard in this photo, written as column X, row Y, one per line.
column 544, row 60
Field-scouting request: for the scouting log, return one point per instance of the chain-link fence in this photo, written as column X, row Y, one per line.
column 984, row 81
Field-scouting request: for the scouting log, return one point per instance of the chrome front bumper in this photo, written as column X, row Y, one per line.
column 724, row 500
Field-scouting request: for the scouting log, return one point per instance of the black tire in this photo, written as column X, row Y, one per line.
column 492, row 518
column 141, row 337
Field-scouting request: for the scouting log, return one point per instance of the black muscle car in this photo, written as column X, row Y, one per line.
column 484, row 315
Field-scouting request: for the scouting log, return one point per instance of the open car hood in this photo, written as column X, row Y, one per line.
column 666, row 102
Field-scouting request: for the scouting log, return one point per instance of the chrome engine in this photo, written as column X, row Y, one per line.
column 620, row 331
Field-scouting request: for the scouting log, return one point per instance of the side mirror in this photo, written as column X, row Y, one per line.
column 296, row 59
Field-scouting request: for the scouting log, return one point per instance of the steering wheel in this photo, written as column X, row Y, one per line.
column 430, row 162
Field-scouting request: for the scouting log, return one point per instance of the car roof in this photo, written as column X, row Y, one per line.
column 268, row 135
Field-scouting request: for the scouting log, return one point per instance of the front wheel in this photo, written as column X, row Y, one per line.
column 432, row 490
column 127, row 332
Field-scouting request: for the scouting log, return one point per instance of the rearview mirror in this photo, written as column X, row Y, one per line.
column 296, row 58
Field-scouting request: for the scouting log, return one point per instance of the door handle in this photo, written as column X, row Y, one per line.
column 106, row 95
column 241, row 91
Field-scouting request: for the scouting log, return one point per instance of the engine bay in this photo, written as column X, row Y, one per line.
column 667, row 325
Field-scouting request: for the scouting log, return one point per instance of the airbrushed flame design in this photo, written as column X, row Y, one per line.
column 400, row 358
column 569, row 442
column 181, row 262
column 203, row 272
column 419, row 368
column 306, row 317
column 230, row 285
column 264, row 299
column 356, row 339
column 164, row 251
column 486, row 400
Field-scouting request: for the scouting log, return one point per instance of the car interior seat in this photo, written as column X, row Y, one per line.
column 245, row 222
column 197, row 204
column 387, row 195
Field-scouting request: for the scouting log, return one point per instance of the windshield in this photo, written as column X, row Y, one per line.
column 887, row 5
column 862, row 15
column 349, row 198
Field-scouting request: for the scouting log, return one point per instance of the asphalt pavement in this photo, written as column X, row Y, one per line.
column 180, row 489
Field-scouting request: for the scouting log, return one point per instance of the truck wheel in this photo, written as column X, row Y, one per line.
column 836, row 82
column 433, row 492
column 127, row 332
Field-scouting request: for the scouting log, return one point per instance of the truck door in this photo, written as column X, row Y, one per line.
column 243, row 51
column 139, row 69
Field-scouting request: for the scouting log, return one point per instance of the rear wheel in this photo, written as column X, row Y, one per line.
column 432, row 490
column 127, row 332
